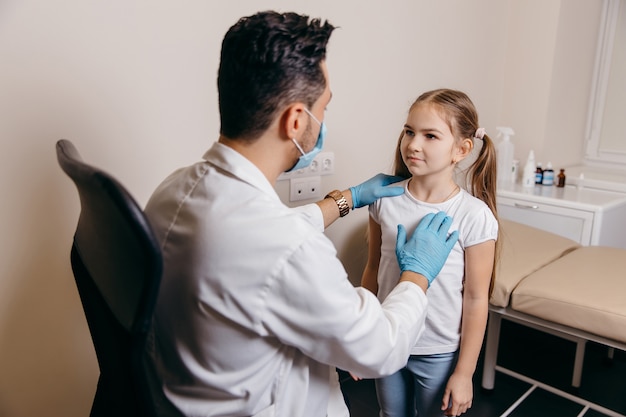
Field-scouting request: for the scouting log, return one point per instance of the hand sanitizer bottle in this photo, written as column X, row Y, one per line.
column 504, row 153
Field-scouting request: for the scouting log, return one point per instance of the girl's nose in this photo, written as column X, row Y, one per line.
column 415, row 144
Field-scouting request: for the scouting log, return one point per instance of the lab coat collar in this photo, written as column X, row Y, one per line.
column 229, row 160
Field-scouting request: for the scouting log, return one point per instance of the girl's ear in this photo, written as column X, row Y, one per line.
column 464, row 149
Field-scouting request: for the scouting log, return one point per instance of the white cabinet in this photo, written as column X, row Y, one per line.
column 587, row 215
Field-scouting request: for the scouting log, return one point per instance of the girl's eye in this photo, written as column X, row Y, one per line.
column 430, row 136
column 409, row 133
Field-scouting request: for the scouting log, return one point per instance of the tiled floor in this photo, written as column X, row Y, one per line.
column 537, row 355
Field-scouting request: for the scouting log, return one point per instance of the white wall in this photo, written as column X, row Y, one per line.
column 132, row 83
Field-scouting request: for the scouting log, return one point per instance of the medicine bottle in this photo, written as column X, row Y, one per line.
column 528, row 176
column 538, row 174
column 548, row 175
column 561, row 178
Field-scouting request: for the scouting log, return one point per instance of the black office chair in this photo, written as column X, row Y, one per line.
column 117, row 266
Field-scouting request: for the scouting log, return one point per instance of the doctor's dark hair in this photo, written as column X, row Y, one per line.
column 456, row 108
column 268, row 61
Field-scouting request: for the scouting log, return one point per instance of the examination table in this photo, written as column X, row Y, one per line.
column 555, row 285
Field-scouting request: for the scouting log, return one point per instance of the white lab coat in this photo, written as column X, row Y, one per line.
column 255, row 310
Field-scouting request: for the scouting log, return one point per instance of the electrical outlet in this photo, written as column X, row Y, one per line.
column 305, row 188
column 322, row 164
column 327, row 163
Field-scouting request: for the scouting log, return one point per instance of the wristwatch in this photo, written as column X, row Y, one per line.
column 342, row 204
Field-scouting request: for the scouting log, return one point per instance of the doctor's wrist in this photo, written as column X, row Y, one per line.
column 343, row 200
column 417, row 279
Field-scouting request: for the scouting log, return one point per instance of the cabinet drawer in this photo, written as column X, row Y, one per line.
column 571, row 223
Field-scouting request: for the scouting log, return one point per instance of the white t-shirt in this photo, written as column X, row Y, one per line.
column 475, row 223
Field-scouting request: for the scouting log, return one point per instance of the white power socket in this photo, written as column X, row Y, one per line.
column 322, row 164
column 305, row 188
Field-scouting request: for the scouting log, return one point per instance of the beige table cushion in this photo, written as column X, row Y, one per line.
column 525, row 249
column 585, row 289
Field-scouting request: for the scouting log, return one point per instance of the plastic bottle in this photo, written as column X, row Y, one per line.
column 548, row 175
column 538, row 174
column 561, row 178
column 504, row 152
column 528, row 178
column 581, row 179
column 515, row 171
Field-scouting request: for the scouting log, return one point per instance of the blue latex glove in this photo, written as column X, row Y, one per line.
column 427, row 250
column 376, row 187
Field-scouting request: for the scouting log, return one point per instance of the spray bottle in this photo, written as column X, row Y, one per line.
column 504, row 153
column 528, row 178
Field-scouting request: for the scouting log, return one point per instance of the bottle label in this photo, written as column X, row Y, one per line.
column 548, row 178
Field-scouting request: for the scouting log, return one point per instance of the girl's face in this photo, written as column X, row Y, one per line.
column 428, row 145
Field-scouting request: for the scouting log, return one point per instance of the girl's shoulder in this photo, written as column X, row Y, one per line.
column 473, row 202
column 474, row 210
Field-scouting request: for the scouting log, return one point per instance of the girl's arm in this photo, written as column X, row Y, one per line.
column 369, row 279
column 478, row 268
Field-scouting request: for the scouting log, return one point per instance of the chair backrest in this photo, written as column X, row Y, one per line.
column 117, row 266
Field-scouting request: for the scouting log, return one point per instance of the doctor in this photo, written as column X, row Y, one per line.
column 255, row 310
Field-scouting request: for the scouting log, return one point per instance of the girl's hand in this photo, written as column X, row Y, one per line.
column 457, row 398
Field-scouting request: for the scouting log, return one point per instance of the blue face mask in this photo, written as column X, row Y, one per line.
column 306, row 158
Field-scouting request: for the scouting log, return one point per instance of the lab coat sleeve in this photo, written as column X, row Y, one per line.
column 312, row 214
column 313, row 307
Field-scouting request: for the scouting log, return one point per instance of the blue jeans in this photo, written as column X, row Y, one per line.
column 417, row 389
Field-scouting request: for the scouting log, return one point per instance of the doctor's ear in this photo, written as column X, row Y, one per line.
column 292, row 124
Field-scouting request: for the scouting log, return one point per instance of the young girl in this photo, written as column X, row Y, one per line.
column 441, row 130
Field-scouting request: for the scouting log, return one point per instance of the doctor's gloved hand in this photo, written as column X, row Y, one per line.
column 427, row 250
column 371, row 190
